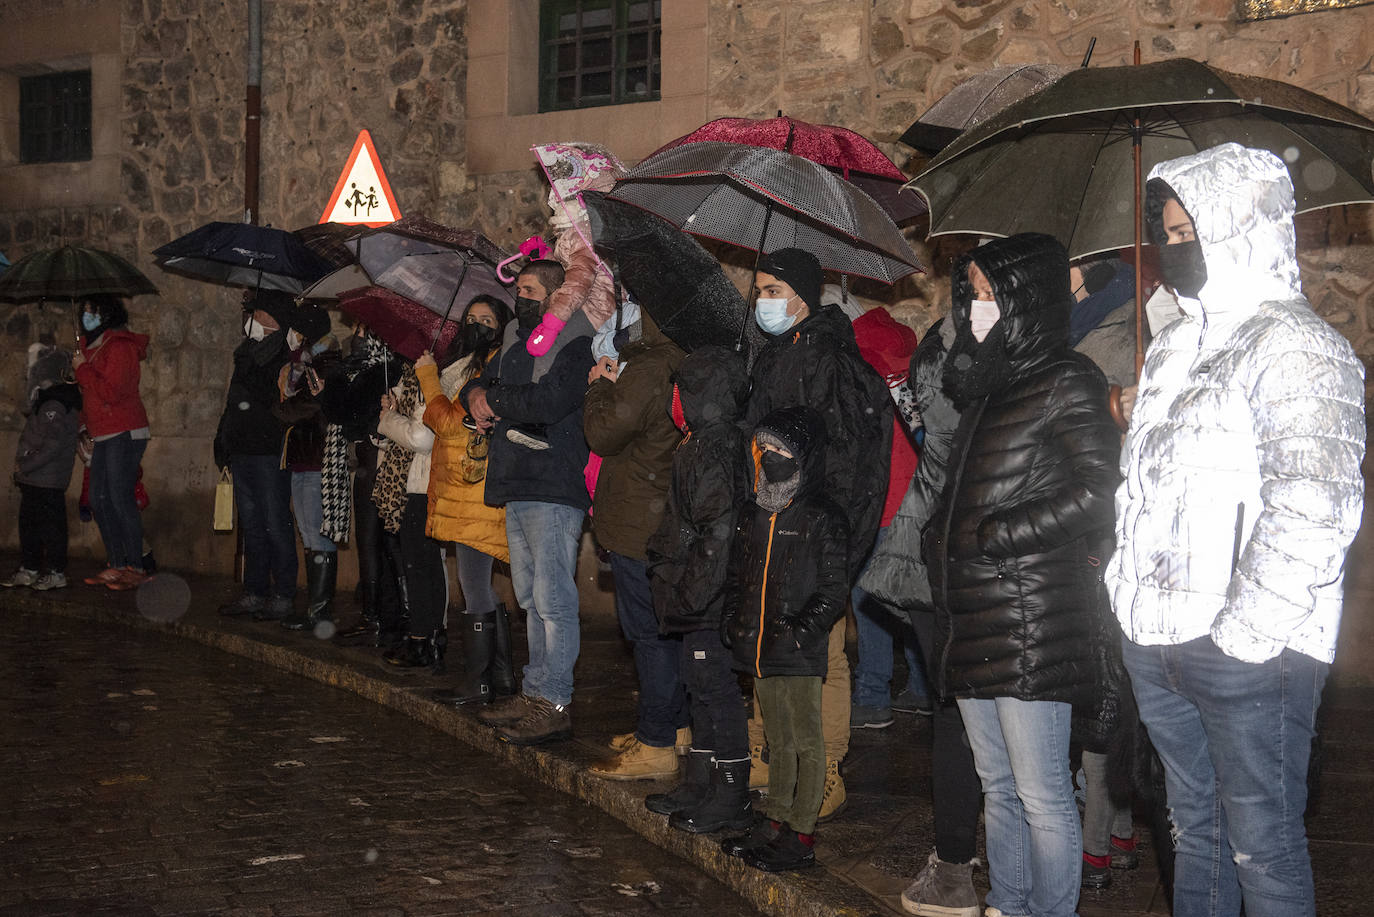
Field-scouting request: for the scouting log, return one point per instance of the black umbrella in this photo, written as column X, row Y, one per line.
column 668, row 273
column 973, row 101
column 244, row 255
column 765, row 199
column 71, row 272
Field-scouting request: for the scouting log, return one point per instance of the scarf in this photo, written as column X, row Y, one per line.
column 389, row 492
column 973, row 370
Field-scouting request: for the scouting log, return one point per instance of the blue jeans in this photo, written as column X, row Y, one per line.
column 262, row 495
column 1235, row 739
column 877, row 630
column 114, row 472
column 658, row 659
column 543, row 540
column 1034, row 839
column 307, row 502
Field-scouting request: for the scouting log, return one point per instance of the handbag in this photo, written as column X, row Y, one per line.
column 224, row 502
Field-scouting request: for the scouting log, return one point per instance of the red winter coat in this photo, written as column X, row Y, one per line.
column 109, row 383
column 887, row 345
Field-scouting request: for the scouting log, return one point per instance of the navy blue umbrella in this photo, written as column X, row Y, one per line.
column 244, row 255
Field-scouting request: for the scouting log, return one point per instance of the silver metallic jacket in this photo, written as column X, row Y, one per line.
column 1242, row 488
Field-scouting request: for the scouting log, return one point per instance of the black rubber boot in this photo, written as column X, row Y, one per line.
column 502, row 660
column 479, row 644
column 726, row 805
column 413, row 653
column 321, row 577
column 691, row 791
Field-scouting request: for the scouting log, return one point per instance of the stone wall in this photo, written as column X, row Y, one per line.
column 330, row 70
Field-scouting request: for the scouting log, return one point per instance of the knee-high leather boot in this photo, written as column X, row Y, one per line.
column 479, row 648
column 502, row 660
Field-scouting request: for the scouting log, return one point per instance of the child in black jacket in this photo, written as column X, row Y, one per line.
column 688, row 556
column 785, row 588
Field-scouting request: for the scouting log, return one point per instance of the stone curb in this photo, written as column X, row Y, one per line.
column 816, row 893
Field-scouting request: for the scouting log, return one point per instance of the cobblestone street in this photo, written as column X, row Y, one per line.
column 146, row 774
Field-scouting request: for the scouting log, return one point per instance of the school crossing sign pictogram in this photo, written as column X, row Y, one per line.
column 363, row 195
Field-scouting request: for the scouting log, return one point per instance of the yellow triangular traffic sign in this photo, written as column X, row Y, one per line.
column 362, row 195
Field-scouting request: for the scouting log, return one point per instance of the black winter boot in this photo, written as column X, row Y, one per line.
column 413, row 653
column 726, row 804
column 763, row 832
column 321, row 576
column 502, row 660
column 691, row 791
column 479, row 643
column 788, row 851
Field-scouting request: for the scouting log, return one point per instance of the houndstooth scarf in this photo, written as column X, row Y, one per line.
column 389, row 492
column 336, row 484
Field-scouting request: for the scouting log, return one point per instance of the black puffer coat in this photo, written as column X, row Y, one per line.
column 817, row 364
column 787, row 582
column 690, row 551
column 1033, row 469
column 247, row 426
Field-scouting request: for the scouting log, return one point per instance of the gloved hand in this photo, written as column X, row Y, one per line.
column 542, row 338
column 726, row 639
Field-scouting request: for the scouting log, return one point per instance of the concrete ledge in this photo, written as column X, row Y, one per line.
column 813, row 893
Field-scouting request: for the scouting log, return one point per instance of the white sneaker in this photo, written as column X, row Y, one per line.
column 51, row 581
column 21, row 577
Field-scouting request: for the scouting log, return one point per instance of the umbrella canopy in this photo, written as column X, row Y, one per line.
column 428, row 263
column 975, row 100
column 328, row 240
column 668, row 273
column 243, row 255
column 1061, row 161
column 71, row 272
column 853, row 156
column 765, row 199
column 403, row 324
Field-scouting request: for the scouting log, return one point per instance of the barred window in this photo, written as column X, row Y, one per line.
column 598, row 52
column 55, row 117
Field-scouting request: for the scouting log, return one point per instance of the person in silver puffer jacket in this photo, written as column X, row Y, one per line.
column 1242, row 492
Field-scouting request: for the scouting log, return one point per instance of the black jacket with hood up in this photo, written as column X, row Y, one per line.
column 690, row 551
column 1015, row 547
column 787, row 582
column 817, row 364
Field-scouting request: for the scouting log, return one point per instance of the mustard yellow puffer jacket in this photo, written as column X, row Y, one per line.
column 457, row 511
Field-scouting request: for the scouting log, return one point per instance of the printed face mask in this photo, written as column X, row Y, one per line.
column 982, row 315
column 771, row 315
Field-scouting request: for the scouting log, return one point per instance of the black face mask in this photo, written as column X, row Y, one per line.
column 1183, row 268
column 777, row 467
column 478, row 337
column 528, row 311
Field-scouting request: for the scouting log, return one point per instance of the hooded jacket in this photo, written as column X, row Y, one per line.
column 887, row 345
column 817, row 364
column 626, row 422
column 787, row 582
column 690, row 551
column 47, row 445
column 248, row 425
column 1014, row 546
column 1242, row 488
column 109, row 383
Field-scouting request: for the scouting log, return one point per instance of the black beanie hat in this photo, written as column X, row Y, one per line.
column 276, row 303
column 311, row 323
column 798, row 269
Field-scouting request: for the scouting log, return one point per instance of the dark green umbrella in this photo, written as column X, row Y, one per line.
column 71, row 272
column 1061, row 161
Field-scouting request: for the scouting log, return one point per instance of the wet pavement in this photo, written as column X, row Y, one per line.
column 417, row 803
column 144, row 774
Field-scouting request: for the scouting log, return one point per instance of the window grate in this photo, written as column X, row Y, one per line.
column 598, row 52
column 55, row 117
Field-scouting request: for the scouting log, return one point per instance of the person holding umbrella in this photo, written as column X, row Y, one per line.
column 1242, row 494
column 106, row 366
column 249, row 443
column 1011, row 551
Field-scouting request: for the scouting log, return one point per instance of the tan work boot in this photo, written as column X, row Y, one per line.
column 682, row 743
column 835, row 798
column 637, row 761
column 758, row 769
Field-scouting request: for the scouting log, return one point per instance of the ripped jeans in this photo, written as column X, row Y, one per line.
column 1235, row 739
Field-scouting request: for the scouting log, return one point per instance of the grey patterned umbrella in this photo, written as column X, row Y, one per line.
column 71, row 272
column 764, row 199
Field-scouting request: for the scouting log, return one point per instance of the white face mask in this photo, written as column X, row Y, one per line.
column 771, row 315
column 293, row 340
column 254, row 329
column 982, row 315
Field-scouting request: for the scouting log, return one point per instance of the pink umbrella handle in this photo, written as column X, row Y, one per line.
column 534, row 248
